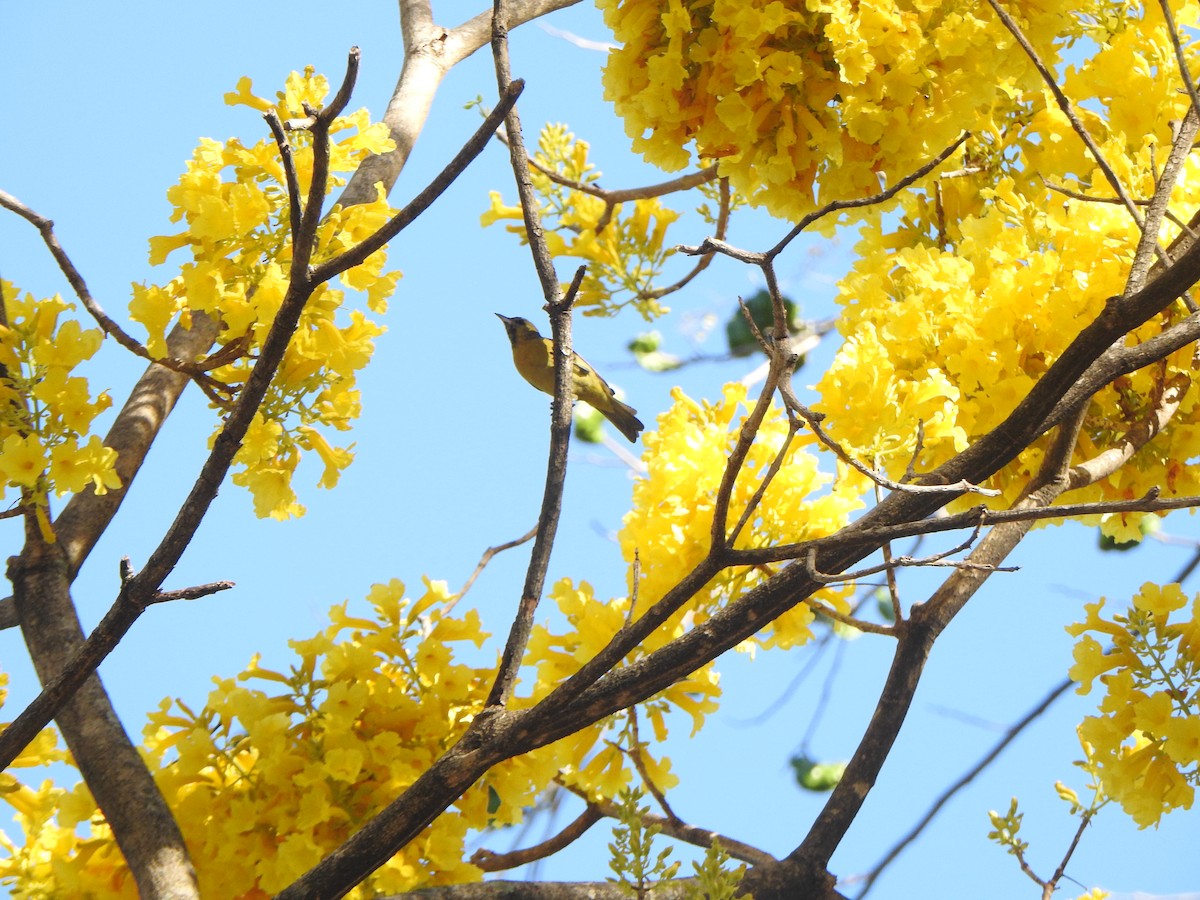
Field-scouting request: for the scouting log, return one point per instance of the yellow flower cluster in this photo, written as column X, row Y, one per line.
column 46, row 411
column 670, row 524
column 277, row 769
column 238, row 232
column 949, row 341
column 803, row 103
column 953, row 312
column 625, row 254
column 1145, row 743
column 264, row 783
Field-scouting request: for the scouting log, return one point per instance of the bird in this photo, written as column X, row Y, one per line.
column 533, row 356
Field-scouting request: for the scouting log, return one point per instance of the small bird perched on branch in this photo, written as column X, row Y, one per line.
column 533, row 356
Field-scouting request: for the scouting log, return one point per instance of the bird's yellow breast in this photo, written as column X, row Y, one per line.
column 534, row 359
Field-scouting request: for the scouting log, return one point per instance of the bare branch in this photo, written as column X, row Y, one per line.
column 935, row 559
column 559, row 308
column 482, row 564
column 191, row 593
column 675, row 889
column 680, row 830
column 471, row 149
column 1051, row 885
column 1010, row 735
column 824, row 609
column 498, row 862
column 45, row 227
column 873, row 200
column 765, row 481
column 639, row 763
column 977, row 516
column 430, row 51
column 1148, row 247
column 814, row 421
column 1180, row 58
column 289, row 168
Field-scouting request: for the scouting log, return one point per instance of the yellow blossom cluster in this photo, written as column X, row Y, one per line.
column 1145, row 742
column 956, row 308
column 669, row 527
column 46, row 411
column 234, row 203
column 803, row 103
column 945, row 342
column 279, row 768
column 624, row 247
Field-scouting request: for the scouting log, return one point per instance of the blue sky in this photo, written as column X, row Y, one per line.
column 450, row 450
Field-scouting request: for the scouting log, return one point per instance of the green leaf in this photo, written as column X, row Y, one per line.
column 816, row 776
column 741, row 339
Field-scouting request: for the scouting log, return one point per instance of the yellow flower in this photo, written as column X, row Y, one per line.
column 1158, row 600
column 22, row 460
column 1091, row 661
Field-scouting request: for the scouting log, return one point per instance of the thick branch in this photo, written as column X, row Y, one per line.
column 430, row 51
column 676, row 889
column 114, row 772
column 1010, row 734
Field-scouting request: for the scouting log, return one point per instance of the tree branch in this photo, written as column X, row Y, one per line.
column 564, row 391
column 430, row 51
column 499, row 862
column 1010, row 735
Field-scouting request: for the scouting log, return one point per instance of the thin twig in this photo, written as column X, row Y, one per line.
column 45, row 228
column 814, row 420
column 976, row 516
column 1051, row 885
column 304, row 239
column 498, row 862
column 1148, row 248
column 58, row 690
column 1180, row 57
column 810, row 664
column 765, row 481
column 1064, row 104
column 639, row 763
column 936, row 559
column 191, row 593
column 757, row 258
column 726, row 195
column 863, row 625
column 1116, row 201
column 422, row 201
column 289, row 168
column 873, row 200
column 1010, row 735
column 682, row 831
column 886, row 547
column 482, row 564
column 613, row 198
column 560, row 410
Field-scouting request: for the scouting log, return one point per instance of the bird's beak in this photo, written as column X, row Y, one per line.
column 504, row 319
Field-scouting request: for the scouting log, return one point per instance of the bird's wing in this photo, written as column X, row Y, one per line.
column 584, row 371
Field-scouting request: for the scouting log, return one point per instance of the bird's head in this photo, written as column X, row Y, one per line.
column 518, row 329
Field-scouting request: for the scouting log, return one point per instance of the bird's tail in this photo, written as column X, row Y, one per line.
column 625, row 419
